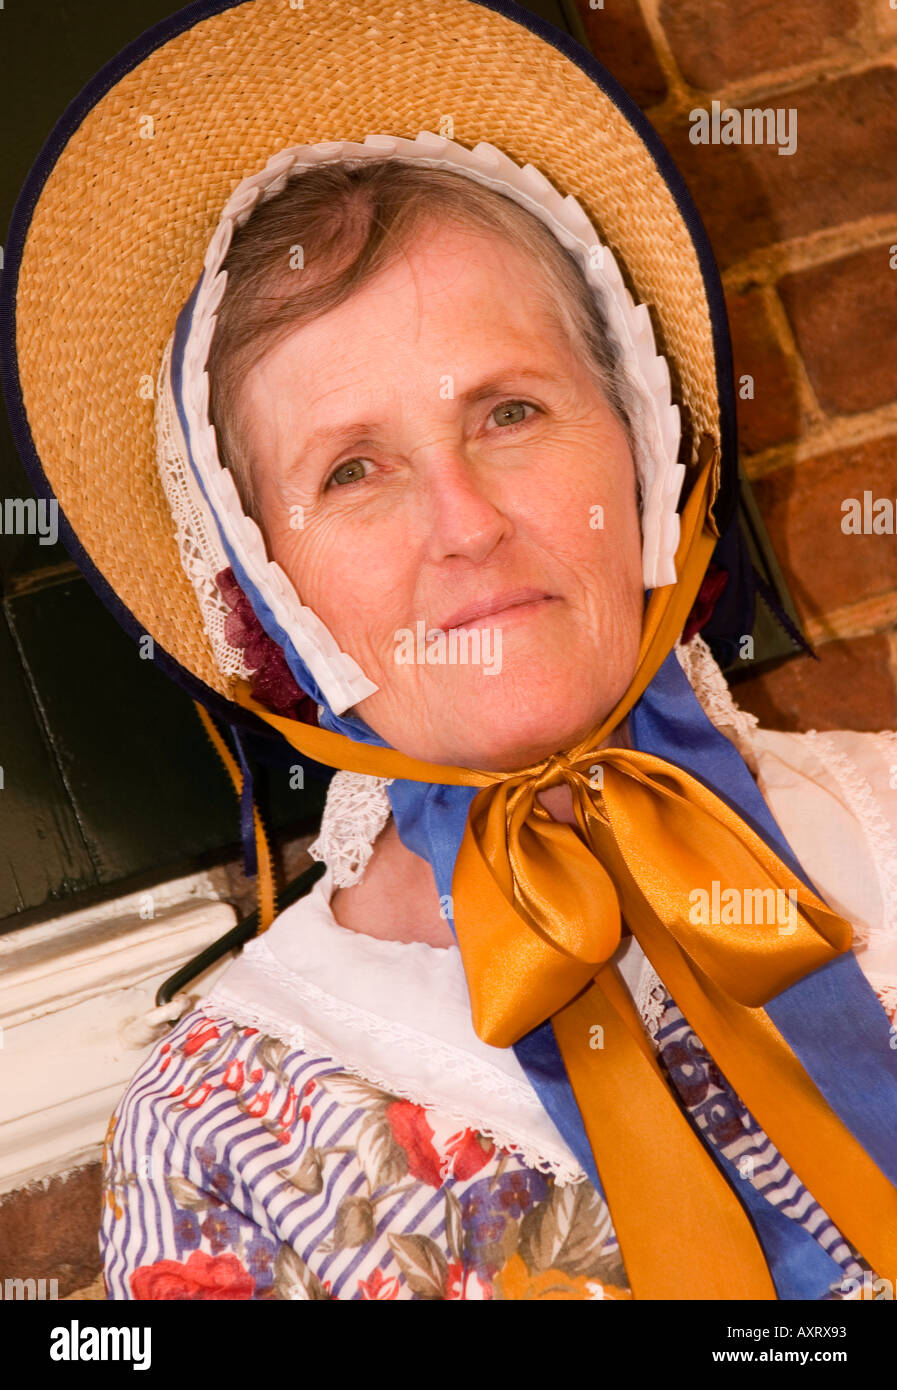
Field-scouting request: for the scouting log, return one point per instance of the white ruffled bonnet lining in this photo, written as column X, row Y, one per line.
column 200, row 527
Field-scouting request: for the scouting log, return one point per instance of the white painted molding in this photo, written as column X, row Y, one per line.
column 71, row 990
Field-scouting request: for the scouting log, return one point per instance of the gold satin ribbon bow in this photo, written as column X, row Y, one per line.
column 538, row 908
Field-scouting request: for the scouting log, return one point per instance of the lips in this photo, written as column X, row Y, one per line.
column 498, row 603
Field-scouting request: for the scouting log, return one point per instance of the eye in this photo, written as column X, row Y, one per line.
column 345, row 467
column 510, row 413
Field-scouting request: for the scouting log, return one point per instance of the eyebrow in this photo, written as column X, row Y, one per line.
column 338, row 436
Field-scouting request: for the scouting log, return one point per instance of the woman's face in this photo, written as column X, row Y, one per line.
column 435, row 444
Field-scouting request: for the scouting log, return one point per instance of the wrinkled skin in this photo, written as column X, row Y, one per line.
column 446, row 499
column 450, row 501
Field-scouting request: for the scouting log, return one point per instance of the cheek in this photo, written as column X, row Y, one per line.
column 349, row 580
column 590, row 518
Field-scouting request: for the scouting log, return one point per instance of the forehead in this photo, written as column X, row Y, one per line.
column 453, row 297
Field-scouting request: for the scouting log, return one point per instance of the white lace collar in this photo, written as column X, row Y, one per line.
column 398, row 1014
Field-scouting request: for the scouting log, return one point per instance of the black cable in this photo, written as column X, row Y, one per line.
column 237, row 936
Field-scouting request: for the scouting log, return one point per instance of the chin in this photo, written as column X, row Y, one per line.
column 500, row 723
column 503, row 740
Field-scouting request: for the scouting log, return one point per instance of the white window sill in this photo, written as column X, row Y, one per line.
column 71, row 990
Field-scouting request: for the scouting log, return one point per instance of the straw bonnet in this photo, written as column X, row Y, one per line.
column 114, row 274
column 122, row 213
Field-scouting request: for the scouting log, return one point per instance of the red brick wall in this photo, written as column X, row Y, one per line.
column 805, row 244
column 51, row 1230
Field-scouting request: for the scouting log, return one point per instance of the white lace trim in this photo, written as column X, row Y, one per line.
column 886, row 989
column 650, row 998
column 303, row 1039
column 656, row 422
column 865, row 808
column 355, row 812
column 710, row 685
column 196, row 533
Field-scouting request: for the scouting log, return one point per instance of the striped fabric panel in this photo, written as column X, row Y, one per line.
column 730, row 1127
column 236, row 1167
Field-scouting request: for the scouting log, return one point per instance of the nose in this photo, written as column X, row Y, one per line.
column 463, row 519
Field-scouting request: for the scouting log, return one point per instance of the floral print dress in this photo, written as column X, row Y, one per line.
column 242, row 1169
column 326, row 1125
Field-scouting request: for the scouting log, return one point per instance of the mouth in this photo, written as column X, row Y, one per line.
column 517, row 603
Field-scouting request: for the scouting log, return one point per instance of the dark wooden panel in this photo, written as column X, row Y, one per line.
column 19, row 553
column 43, row 855
column 146, row 787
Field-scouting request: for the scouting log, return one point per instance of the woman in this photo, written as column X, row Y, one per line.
column 361, row 1108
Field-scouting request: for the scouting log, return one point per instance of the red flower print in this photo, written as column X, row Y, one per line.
column 469, row 1152
column 233, row 1077
column 259, row 1106
column 202, row 1277
column 436, row 1148
column 178, row 1091
column 197, row 1097
column 305, row 1114
column 411, row 1130
column 288, row 1113
column 165, row 1063
column 379, row 1287
column 256, row 1075
column 463, row 1151
column 309, row 1087
column 462, row 1282
column 202, row 1032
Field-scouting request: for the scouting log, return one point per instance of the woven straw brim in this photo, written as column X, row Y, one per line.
column 117, row 237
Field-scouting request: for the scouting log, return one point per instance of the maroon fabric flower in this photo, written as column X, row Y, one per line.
column 714, row 582
column 272, row 682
